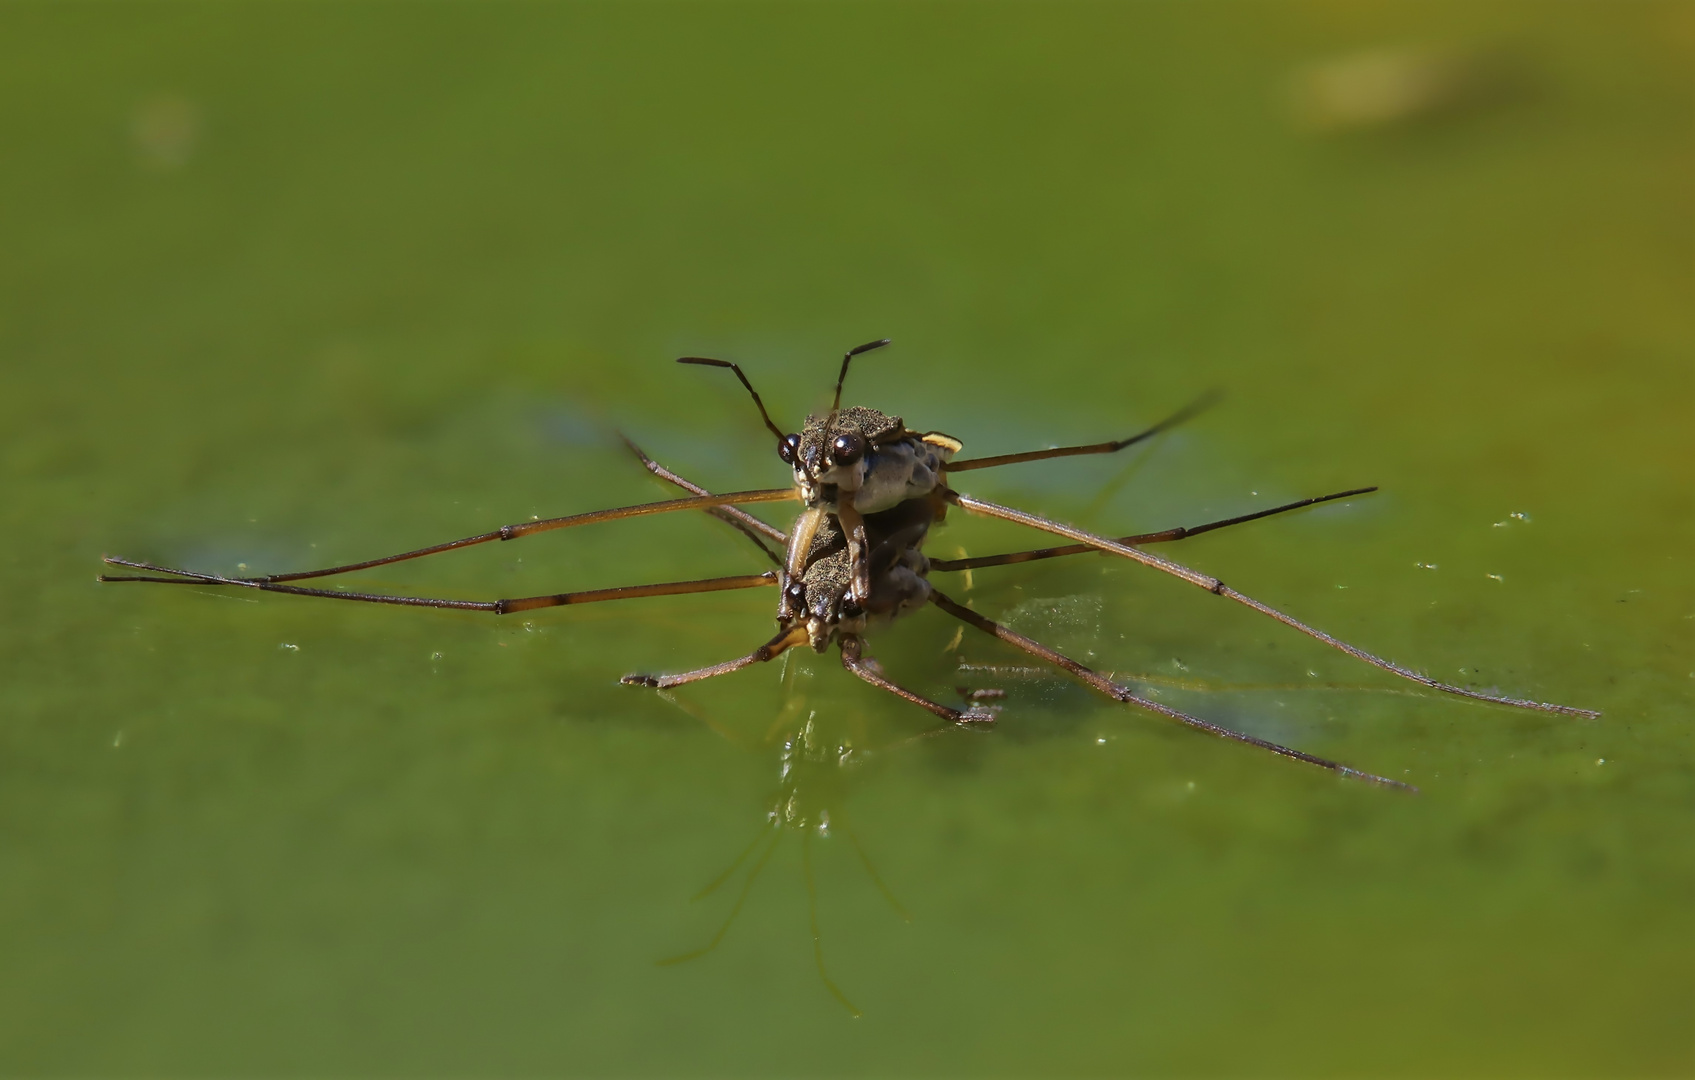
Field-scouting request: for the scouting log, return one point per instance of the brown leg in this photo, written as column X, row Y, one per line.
column 853, row 527
column 1122, row 694
column 527, row 528
column 805, row 529
column 1188, row 412
column 1161, row 537
column 1218, row 588
column 498, row 607
column 854, row 662
column 776, row 646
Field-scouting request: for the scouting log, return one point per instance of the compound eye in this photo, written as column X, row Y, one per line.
column 789, row 449
column 796, row 592
column 847, row 449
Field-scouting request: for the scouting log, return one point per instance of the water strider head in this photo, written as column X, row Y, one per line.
column 867, row 456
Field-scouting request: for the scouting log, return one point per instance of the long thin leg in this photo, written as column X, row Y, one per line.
column 1206, row 686
column 1161, row 537
column 528, row 528
column 817, row 936
column 498, row 607
column 1217, row 587
column 854, row 662
column 1123, row 694
column 1188, row 412
column 787, row 639
column 740, row 519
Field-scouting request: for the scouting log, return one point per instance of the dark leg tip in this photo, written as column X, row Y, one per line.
column 639, row 680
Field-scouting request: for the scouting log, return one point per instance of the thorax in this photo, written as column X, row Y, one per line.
column 819, row 568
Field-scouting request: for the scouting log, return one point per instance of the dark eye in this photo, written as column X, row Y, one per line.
column 847, row 449
column 789, row 448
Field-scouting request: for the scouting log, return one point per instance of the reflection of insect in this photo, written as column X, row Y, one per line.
column 816, row 758
column 853, row 560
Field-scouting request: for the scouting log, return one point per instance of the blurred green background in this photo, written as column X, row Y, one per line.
column 289, row 284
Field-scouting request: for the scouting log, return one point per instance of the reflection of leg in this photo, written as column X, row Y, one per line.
column 817, row 937
column 1122, row 694
column 786, row 639
column 871, row 871
column 747, row 887
column 712, row 886
column 854, row 662
column 789, row 714
column 696, row 712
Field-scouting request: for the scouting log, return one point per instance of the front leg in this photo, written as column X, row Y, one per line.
column 1094, row 679
column 776, row 646
column 853, row 527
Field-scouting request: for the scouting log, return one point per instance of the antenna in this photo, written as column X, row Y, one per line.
column 708, row 362
column 851, row 353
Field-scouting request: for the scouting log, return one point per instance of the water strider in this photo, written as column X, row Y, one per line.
column 853, row 561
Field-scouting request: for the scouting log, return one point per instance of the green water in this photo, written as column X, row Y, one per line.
column 286, row 285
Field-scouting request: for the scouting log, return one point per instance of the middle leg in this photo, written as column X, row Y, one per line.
column 1218, row 588
column 1124, row 695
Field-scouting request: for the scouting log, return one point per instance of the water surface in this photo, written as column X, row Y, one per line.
column 293, row 285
